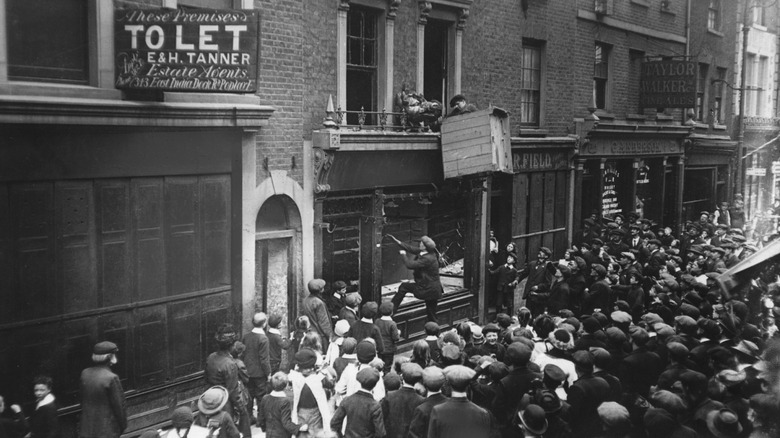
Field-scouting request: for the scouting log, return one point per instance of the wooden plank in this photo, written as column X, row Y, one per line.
column 548, row 212
column 147, row 200
column 536, row 194
column 185, row 336
column 215, row 218
column 113, row 220
column 478, row 160
column 182, row 234
column 520, row 206
column 478, row 140
column 561, row 206
column 7, row 259
column 480, row 131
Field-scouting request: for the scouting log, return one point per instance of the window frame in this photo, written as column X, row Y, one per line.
column 701, row 92
column 537, row 47
column 714, row 15
column 606, row 52
column 363, row 67
column 718, row 100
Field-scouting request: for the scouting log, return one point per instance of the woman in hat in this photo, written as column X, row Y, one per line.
column 102, row 397
column 211, row 414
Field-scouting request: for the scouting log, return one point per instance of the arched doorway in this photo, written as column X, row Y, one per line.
column 277, row 257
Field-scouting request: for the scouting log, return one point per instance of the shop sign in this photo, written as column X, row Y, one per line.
column 609, row 197
column 668, row 84
column 632, row 147
column 643, row 175
column 539, row 160
column 203, row 50
column 776, row 167
column 755, row 171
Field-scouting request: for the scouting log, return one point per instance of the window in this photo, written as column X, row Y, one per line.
column 701, row 91
column 530, row 87
column 47, row 41
column 713, row 15
column 635, row 60
column 759, row 16
column 719, row 87
column 601, row 76
column 750, row 84
column 762, row 83
column 362, row 42
column 436, row 61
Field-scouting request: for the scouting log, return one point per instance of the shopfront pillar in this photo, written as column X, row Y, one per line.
column 680, row 178
column 579, row 168
column 371, row 228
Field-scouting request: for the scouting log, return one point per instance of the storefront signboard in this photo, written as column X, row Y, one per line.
column 631, row 147
column 202, row 50
column 539, row 160
column 609, row 197
column 755, row 171
column 668, row 84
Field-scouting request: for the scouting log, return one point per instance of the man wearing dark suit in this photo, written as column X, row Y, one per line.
column 656, row 260
column 458, row 417
column 315, row 308
column 433, row 379
column 257, row 360
column 597, row 296
column 102, row 397
column 538, row 280
column 511, row 388
column 398, row 406
column 362, row 413
column 585, row 396
column 424, row 262
column 641, row 368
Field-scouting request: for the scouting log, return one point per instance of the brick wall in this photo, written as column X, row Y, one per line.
column 281, row 84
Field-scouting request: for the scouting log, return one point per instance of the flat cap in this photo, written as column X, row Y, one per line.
column 613, row 414
column 368, row 377
column 366, row 351
column 459, row 375
column 601, row 357
column 638, row 335
column 433, row 378
column 651, row 318
column 677, row 350
column 668, row 401
column 620, row 317
column 411, row 372
column 685, row 322
column 306, row 358
column 583, row 359
column 554, row 373
column 518, row 353
column 494, row 328
column 105, row 347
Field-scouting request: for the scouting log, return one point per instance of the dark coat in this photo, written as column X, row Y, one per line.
column 557, row 298
column 276, row 343
column 256, row 356
column 597, row 297
column 422, row 415
column 274, row 416
column 425, row 268
column 221, row 420
column 459, row 418
column 363, row 415
column 102, row 404
column 640, row 370
column 397, row 410
column 348, row 314
column 12, row 424
column 44, row 422
column 222, row 370
column 510, row 391
column 390, row 335
column 537, row 275
column 315, row 309
column 585, row 396
column 361, row 330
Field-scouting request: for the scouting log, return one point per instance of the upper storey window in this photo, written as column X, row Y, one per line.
column 362, row 49
column 713, row 15
column 47, row 40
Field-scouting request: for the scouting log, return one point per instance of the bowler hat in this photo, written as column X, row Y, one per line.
column 723, row 423
column 213, row 400
column 533, row 419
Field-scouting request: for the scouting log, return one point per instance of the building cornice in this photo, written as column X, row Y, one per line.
column 630, row 27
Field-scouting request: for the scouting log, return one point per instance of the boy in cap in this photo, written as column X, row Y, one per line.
column 257, row 360
column 365, row 327
column 362, row 413
column 348, row 383
column 398, row 406
column 388, row 329
column 432, row 338
column 460, row 106
column 336, row 299
column 423, row 260
column 538, row 279
column 276, row 342
column 181, row 422
column 458, row 417
column 274, row 415
column 433, row 379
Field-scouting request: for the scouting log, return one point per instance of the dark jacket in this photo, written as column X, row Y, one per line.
column 363, row 415
column 397, row 410
column 390, row 335
column 315, row 309
column 537, row 275
column 459, row 418
column 12, row 424
column 44, row 422
column 256, row 356
column 640, row 370
column 422, row 415
column 276, row 343
column 222, row 370
column 102, row 404
column 597, row 297
column 361, row 330
column 220, row 420
column 425, row 269
column 585, row 396
column 274, row 416
column 510, row 391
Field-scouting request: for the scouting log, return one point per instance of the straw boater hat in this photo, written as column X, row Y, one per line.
column 213, row 400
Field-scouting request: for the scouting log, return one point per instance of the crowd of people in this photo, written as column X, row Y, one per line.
column 627, row 334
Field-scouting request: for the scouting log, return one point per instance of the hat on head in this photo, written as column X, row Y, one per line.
column 455, row 99
column 352, row 299
column 638, row 335
column 694, row 379
column 561, row 339
column 686, row 322
column 651, row 318
column 476, row 333
column 411, row 372
column 591, row 325
column 659, row 422
column 613, row 414
column 368, row 377
column 392, row 381
column 369, row 309
column 583, row 359
column 616, row 336
column 213, row 400
column 723, row 423
column 274, row 320
column 386, row 308
column 533, row 419
column 668, row 401
column 663, row 330
column 554, row 373
column 458, row 375
column 628, row 254
column 730, row 378
column 491, row 328
column 105, row 347
column 601, row 357
column 620, row 317
column 601, row 270
column 518, row 354
column 306, row 358
column 431, row 328
column 342, row 327
column 597, row 241
column 654, row 242
column 182, row 417
column 366, row 351
column 428, row 243
column 549, row 401
column 433, row 378
column 677, row 350
column 546, row 250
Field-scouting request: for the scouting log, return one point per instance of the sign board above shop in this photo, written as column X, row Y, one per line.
column 668, row 84
column 202, row 50
column 631, row 147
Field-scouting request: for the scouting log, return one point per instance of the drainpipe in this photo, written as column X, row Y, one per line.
column 740, row 179
column 687, row 29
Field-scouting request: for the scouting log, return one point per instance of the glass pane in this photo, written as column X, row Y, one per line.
column 47, row 40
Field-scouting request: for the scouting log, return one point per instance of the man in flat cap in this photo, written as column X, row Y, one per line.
column 433, row 379
column 538, row 279
column 316, row 310
column 423, row 260
column 458, row 417
column 102, row 397
column 398, row 406
column 361, row 412
column 459, row 106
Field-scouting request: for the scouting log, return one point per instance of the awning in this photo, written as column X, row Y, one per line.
column 743, row 271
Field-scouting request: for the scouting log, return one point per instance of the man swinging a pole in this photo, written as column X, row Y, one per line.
column 423, row 260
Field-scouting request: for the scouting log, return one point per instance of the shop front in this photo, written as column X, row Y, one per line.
column 709, row 174
column 624, row 168
column 371, row 185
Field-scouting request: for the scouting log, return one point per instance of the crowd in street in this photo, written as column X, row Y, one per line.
column 626, row 334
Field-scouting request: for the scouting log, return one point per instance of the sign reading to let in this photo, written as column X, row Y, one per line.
column 186, row 50
column 668, row 84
